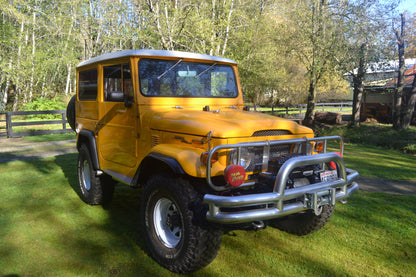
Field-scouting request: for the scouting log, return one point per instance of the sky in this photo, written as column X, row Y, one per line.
column 409, row 5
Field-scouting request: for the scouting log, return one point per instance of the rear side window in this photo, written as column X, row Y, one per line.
column 87, row 84
column 117, row 78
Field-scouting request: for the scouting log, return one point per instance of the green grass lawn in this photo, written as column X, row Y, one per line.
column 51, row 137
column 46, row 230
column 373, row 161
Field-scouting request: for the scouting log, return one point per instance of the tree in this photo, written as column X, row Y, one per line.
column 315, row 42
column 398, row 94
column 363, row 35
column 409, row 106
column 410, row 35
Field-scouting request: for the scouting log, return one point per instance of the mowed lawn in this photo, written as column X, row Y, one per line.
column 46, row 230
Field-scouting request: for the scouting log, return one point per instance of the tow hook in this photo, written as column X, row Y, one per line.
column 258, row 225
column 315, row 200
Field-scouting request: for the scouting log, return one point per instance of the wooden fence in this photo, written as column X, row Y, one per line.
column 12, row 122
column 7, row 122
column 298, row 110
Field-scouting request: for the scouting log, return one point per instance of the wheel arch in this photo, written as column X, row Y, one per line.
column 87, row 137
column 157, row 163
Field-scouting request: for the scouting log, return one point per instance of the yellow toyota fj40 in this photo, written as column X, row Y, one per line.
column 174, row 124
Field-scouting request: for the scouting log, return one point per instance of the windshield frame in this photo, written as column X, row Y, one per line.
column 173, row 67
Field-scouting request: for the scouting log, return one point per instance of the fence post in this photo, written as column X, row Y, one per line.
column 63, row 123
column 9, row 125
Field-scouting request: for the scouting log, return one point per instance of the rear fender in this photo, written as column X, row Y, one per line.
column 88, row 137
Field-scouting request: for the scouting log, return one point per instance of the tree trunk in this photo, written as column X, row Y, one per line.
column 33, row 55
column 357, row 99
column 409, row 107
column 227, row 32
column 68, row 80
column 358, row 81
column 4, row 97
column 397, row 109
column 311, row 98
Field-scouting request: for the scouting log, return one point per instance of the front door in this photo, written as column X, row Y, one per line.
column 117, row 128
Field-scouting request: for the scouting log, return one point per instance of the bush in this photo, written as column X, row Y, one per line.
column 45, row 104
column 375, row 134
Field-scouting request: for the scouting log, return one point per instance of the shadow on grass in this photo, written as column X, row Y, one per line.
column 121, row 223
column 47, row 228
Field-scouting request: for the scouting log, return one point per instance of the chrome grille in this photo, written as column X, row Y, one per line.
column 258, row 155
column 276, row 132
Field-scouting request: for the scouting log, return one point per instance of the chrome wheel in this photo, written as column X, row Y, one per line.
column 86, row 175
column 168, row 222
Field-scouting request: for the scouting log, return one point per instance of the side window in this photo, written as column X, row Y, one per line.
column 117, row 78
column 87, row 84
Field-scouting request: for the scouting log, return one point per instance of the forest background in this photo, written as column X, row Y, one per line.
column 288, row 50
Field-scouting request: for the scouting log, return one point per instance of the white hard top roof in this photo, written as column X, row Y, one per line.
column 155, row 53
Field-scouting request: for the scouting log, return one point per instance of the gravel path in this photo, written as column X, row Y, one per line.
column 19, row 149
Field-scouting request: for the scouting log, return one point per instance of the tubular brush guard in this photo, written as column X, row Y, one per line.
column 283, row 201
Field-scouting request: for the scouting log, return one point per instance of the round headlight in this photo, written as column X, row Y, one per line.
column 245, row 157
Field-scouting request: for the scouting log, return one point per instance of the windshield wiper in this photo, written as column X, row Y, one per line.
column 169, row 69
column 209, row 68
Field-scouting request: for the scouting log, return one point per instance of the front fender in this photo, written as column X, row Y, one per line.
column 189, row 159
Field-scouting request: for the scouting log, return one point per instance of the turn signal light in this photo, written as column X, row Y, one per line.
column 319, row 146
column 204, row 157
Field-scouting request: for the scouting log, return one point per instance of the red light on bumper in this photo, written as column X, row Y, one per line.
column 235, row 175
column 332, row 165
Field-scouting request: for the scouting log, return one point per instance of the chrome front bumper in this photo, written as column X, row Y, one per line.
column 281, row 202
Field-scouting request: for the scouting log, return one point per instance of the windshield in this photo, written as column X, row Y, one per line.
column 167, row 78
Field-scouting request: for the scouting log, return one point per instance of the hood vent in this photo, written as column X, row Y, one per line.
column 266, row 133
column 155, row 140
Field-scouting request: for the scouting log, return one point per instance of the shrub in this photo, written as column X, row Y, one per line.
column 375, row 134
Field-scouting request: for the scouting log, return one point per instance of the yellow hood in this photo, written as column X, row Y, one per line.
column 224, row 124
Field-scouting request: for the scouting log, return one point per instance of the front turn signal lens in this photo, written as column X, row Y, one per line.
column 319, row 146
column 204, row 157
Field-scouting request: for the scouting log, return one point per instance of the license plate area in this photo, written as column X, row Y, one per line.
column 328, row 175
column 315, row 200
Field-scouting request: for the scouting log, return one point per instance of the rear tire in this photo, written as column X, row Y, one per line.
column 174, row 227
column 94, row 189
column 305, row 223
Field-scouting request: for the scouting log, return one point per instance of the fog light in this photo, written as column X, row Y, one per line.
column 235, row 175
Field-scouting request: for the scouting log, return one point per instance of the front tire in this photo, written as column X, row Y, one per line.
column 305, row 223
column 94, row 189
column 173, row 225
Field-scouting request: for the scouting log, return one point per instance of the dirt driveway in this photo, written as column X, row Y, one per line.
column 15, row 149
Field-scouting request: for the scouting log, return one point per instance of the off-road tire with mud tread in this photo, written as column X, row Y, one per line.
column 197, row 243
column 305, row 223
column 94, row 189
